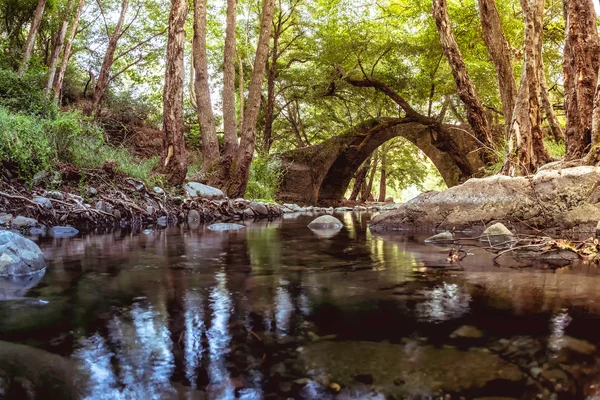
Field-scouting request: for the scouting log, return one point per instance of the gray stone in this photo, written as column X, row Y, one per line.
column 467, row 332
column 442, row 237
column 195, row 189
column 248, row 212
column 140, row 187
column 225, row 227
column 343, row 209
column 292, row 207
column 92, row 191
column 259, row 208
column 193, row 215
column 150, row 210
column 326, row 222
column 5, row 219
column 158, row 190
column 101, row 206
column 37, row 231
column 55, row 194
column 117, row 214
column 162, row 221
column 62, row 231
column 23, row 222
column 39, row 176
column 178, row 200
column 19, row 255
column 497, row 229
column 44, row 202
column 360, row 208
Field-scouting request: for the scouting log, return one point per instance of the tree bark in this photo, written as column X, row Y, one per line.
column 35, row 25
column 104, row 75
column 210, row 145
column 173, row 162
column 58, row 46
column 229, row 126
column 526, row 151
column 366, row 194
column 499, row 50
column 67, row 53
column 359, row 179
column 464, row 84
column 383, row 178
column 580, row 70
column 240, row 166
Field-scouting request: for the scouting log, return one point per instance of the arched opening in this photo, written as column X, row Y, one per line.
column 395, row 172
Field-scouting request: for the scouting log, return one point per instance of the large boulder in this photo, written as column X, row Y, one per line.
column 326, row 222
column 22, row 222
column 560, row 199
column 19, row 255
column 195, row 189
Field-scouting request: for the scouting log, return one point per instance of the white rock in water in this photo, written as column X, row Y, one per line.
column 19, row 255
column 195, row 189
column 498, row 229
column 326, row 222
column 225, row 227
column 442, row 237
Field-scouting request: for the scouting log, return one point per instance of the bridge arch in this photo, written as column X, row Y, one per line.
column 320, row 174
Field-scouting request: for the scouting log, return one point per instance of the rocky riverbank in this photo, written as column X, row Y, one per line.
column 553, row 200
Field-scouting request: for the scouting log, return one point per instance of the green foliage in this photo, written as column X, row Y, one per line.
column 266, row 175
column 556, row 149
column 24, row 145
column 25, row 94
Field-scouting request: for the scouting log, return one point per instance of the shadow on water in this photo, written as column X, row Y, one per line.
column 278, row 311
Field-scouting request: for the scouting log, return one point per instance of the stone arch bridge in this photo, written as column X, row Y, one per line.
column 320, row 174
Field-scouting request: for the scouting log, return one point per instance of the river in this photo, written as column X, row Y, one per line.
column 276, row 311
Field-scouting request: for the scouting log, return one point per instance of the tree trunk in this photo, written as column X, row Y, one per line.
column 359, row 179
column 35, row 25
column 229, row 126
column 383, row 178
column 104, row 75
column 499, row 50
column 526, row 151
column 580, row 70
column 241, row 87
column 58, row 46
column 240, row 167
column 464, row 84
column 67, row 53
column 555, row 128
column 271, row 74
column 367, row 192
column 210, row 145
column 173, row 162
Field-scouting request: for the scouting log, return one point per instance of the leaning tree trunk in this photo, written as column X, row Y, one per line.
column 366, row 194
column 239, row 170
column 58, row 46
column 67, row 53
column 210, row 145
column 173, row 162
column 229, row 126
column 383, row 178
column 359, row 179
column 499, row 50
column 35, row 25
column 526, row 151
column 107, row 62
column 580, row 69
column 464, row 84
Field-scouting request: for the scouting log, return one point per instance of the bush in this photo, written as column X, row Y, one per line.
column 266, row 174
column 26, row 94
column 24, row 144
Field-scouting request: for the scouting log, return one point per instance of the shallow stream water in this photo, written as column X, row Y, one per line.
column 275, row 311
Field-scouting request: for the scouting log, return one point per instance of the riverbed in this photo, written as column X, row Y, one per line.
column 277, row 311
